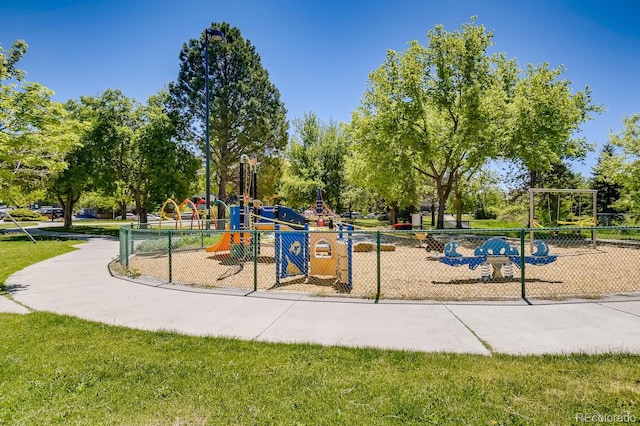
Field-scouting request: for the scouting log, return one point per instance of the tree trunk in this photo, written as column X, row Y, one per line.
column 458, row 210
column 533, row 178
column 67, row 204
column 123, row 211
column 443, row 190
column 442, row 200
column 440, row 223
column 140, row 210
column 392, row 212
column 433, row 213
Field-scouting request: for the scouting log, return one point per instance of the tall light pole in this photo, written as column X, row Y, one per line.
column 216, row 35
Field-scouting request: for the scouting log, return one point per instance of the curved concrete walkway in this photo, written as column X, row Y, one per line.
column 79, row 284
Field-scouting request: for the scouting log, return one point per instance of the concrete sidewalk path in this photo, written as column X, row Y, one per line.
column 79, row 284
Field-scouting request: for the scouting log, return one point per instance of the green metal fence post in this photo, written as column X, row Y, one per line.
column 126, row 248
column 523, row 292
column 170, row 259
column 131, row 240
column 255, row 259
column 378, row 265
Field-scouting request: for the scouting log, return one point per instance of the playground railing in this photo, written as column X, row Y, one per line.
column 440, row 265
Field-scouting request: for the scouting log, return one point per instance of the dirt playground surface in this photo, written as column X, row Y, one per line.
column 410, row 272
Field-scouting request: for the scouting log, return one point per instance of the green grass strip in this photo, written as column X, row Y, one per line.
column 61, row 370
column 112, row 230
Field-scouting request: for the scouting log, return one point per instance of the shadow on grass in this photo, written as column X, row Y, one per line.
column 20, row 237
column 87, row 230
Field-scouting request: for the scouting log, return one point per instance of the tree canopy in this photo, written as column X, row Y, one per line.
column 431, row 113
column 624, row 168
column 35, row 131
column 246, row 113
column 128, row 152
column 544, row 121
column 316, row 158
column 440, row 112
column 162, row 168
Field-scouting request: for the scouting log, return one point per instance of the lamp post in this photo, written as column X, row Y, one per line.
column 216, row 35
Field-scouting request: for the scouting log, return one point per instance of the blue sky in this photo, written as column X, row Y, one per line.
column 319, row 53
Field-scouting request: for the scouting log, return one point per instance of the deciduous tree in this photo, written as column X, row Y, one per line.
column 432, row 113
column 440, row 112
column 315, row 160
column 625, row 167
column 545, row 119
column 35, row 131
column 162, row 168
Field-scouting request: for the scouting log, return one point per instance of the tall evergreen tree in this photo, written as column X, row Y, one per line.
column 246, row 114
column 606, row 185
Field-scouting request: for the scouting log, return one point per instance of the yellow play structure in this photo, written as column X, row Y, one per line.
column 178, row 209
column 329, row 257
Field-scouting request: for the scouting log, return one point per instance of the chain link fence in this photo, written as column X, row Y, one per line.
column 443, row 265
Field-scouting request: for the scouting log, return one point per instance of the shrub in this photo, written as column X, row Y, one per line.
column 25, row 215
column 485, row 213
column 177, row 242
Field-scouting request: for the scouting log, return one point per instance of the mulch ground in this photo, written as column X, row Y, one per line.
column 411, row 272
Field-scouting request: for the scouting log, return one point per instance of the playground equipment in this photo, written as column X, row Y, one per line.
column 322, row 214
column 496, row 257
column 314, row 255
column 178, row 212
column 195, row 214
column 573, row 216
column 224, row 244
column 297, row 251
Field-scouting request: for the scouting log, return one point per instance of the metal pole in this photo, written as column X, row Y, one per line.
column 594, row 238
column 377, row 266
column 278, row 255
column 207, row 148
column 523, row 291
column 170, row 257
column 531, row 223
column 256, row 237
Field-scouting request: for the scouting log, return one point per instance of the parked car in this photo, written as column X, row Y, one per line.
column 352, row 215
column 52, row 212
column 130, row 216
column 384, row 216
column 185, row 216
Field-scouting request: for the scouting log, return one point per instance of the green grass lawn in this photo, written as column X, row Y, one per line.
column 18, row 252
column 61, row 370
column 11, row 225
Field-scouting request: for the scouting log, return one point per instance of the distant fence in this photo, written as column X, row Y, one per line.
column 442, row 265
